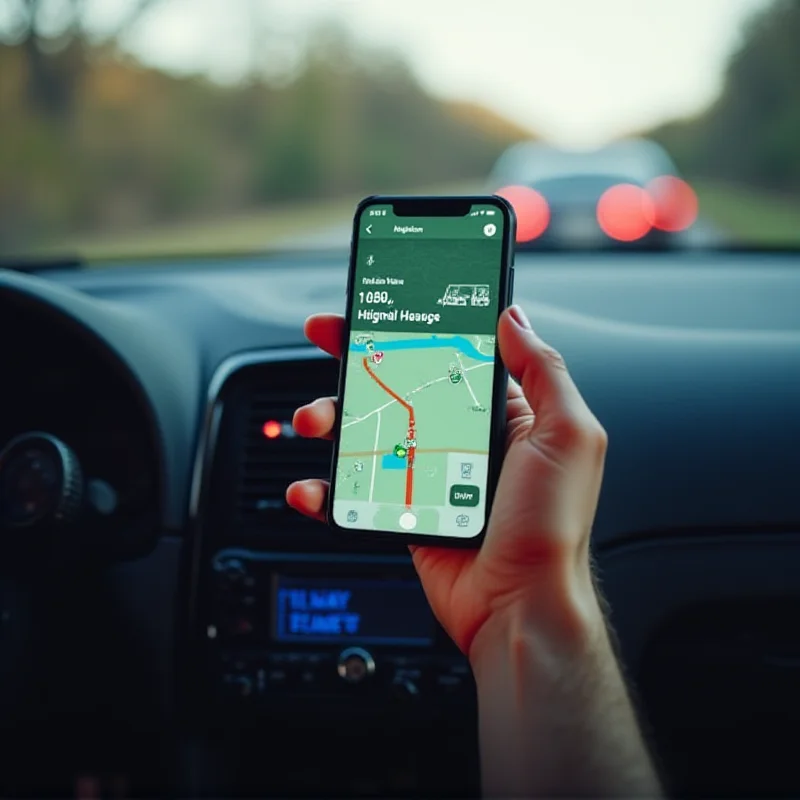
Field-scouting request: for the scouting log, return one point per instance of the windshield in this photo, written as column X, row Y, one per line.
column 151, row 127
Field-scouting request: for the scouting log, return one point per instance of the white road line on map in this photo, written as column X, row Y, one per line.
column 466, row 380
column 375, row 458
column 368, row 415
column 413, row 391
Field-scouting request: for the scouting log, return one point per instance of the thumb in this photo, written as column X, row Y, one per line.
column 561, row 413
column 547, row 494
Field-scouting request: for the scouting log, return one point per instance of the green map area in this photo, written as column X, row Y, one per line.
column 435, row 388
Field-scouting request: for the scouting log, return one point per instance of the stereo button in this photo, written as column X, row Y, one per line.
column 276, row 676
column 449, row 684
column 241, row 627
column 405, row 688
column 308, row 677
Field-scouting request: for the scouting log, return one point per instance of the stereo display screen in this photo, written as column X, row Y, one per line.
column 320, row 610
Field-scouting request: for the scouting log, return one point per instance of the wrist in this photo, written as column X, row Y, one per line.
column 560, row 615
column 555, row 715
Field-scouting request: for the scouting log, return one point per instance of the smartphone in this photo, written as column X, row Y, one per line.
column 419, row 437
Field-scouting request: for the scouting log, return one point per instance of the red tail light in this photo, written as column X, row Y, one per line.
column 531, row 209
column 674, row 203
column 625, row 212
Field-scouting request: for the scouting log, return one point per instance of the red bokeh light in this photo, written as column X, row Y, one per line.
column 531, row 209
column 674, row 203
column 625, row 212
column 271, row 429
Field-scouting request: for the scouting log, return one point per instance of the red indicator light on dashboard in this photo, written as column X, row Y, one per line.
column 271, row 429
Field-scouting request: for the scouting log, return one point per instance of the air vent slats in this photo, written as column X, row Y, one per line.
column 266, row 466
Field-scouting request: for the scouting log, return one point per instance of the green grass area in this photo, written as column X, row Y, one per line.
column 246, row 232
column 252, row 231
column 749, row 215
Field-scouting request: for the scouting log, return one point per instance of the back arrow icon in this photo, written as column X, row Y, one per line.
column 368, row 229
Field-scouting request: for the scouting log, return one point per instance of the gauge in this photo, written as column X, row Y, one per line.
column 40, row 482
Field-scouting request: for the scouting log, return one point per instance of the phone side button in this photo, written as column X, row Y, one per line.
column 510, row 287
column 347, row 282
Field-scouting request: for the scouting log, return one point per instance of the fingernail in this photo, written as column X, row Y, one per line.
column 518, row 315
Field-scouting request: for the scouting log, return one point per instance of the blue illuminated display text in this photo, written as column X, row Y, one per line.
column 318, row 612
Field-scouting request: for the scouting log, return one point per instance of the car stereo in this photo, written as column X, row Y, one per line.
column 280, row 627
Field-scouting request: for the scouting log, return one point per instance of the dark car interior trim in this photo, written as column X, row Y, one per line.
column 690, row 360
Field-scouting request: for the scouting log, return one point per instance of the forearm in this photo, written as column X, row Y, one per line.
column 555, row 715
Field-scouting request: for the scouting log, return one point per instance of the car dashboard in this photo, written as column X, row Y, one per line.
column 145, row 638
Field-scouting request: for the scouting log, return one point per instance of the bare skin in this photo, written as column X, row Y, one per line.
column 555, row 716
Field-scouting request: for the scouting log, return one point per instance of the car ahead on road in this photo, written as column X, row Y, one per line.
column 625, row 194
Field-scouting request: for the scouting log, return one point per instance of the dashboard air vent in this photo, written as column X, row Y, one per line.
column 270, row 455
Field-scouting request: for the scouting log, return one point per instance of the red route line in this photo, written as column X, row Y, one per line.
column 411, row 424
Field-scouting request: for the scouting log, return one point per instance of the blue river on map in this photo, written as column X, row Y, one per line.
column 456, row 342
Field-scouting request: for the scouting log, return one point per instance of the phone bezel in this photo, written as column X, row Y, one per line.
column 423, row 206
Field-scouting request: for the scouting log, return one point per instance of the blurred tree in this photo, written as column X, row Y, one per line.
column 751, row 134
column 53, row 39
column 109, row 144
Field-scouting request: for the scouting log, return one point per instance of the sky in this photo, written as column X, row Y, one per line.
column 576, row 72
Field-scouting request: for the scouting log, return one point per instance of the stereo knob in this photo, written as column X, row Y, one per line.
column 355, row 664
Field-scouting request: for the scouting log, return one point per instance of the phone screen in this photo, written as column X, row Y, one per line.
column 419, row 372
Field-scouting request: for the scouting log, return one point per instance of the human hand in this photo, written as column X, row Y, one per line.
column 534, row 562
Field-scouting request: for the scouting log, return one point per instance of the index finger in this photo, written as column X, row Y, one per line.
column 326, row 331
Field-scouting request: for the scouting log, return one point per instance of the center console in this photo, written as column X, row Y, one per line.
column 310, row 666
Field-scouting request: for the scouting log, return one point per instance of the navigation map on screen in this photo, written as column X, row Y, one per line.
column 417, row 405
